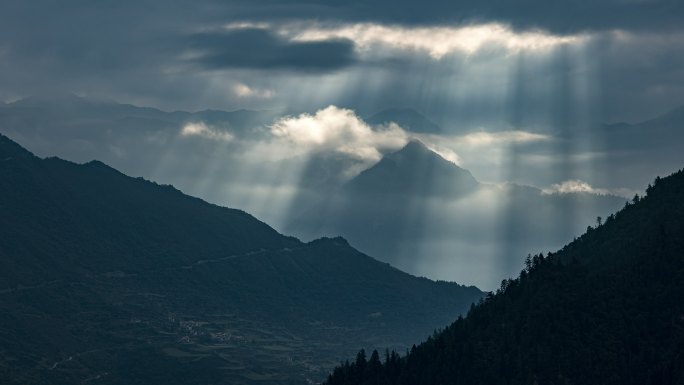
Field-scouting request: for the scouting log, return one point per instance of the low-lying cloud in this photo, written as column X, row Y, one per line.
column 244, row 91
column 572, row 186
column 579, row 186
column 203, row 130
column 339, row 130
column 483, row 138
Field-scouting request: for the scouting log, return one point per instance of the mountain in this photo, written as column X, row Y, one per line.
column 71, row 106
column 414, row 170
column 83, row 128
column 605, row 309
column 407, row 118
column 662, row 132
column 428, row 216
column 120, row 280
column 672, row 119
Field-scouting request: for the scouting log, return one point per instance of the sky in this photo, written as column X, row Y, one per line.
column 461, row 62
column 522, row 91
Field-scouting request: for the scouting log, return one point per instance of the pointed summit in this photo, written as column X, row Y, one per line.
column 415, row 145
column 412, row 151
column 414, row 170
column 10, row 149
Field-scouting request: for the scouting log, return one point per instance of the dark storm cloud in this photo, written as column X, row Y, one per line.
column 557, row 16
column 257, row 48
column 137, row 52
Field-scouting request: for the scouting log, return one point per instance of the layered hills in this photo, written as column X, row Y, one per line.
column 124, row 280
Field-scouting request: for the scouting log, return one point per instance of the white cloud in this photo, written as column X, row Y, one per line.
column 573, row 186
column 580, row 186
column 477, row 146
column 245, row 91
column 447, row 154
column 502, row 137
column 203, row 130
column 339, row 130
column 246, row 25
column 485, row 154
column 436, row 41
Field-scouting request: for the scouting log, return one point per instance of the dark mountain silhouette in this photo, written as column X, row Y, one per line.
column 635, row 151
column 414, row 205
column 670, row 119
column 71, row 106
column 414, row 170
column 121, row 280
column 605, row 309
column 407, row 118
column 662, row 131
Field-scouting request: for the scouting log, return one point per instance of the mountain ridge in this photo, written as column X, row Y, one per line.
column 606, row 308
column 155, row 283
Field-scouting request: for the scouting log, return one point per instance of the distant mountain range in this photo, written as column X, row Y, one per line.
column 43, row 108
column 121, row 280
column 445, row 225
column 662, row 133
column 416, row 210
column 131, row 138
column 605, row 309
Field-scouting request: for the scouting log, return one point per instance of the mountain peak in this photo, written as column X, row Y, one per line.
column 414, row 170
column 10, row 149
column 415, row 145
column 417, row 151
column 336, row 241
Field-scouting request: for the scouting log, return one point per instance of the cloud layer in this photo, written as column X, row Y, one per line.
column 437, row 41
column 623, row 55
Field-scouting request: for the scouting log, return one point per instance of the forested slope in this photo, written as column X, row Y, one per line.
column 606, row 309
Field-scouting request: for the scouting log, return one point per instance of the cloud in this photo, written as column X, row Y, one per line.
column 203, row 130
column 573, row 186
column 339, row 130
column 245, row 91
column 488, row 154
column 480, row 146
column 580, row 186
column 502, row 137
column 445, row 152
column 437, row 41
column 174, row 57
column 260, row 49
column 563, row 17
